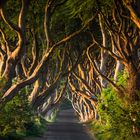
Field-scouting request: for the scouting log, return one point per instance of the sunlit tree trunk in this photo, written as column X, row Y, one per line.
column 14, row 56
column 118, row 69
column 134, row 9
column 103, row 59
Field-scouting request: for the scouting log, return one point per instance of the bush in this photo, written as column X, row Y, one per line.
column 17, row 118
column 119, row 120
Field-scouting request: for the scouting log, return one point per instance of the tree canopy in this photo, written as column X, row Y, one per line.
column 84, row 50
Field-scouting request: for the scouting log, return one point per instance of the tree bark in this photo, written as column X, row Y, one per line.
column 103, row 53
column 118, row 69
column 134, row 9
column 133, row 83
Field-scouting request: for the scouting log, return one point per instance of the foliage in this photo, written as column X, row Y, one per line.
column 18, row 120
column 2, row 82
column 122, row 79
column 118, row 119
column 86, row 9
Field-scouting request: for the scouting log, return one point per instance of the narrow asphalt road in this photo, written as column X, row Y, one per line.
column 66, row 127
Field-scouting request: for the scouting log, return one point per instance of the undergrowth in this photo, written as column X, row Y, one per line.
column 118, row 120
column 17, row 119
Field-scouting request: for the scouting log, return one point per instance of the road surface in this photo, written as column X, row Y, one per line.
column 66, row 127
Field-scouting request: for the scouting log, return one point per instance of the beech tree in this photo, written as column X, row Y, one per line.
column 71, row 47
column 20, row 67
column 134, row 9
column 116, row 47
